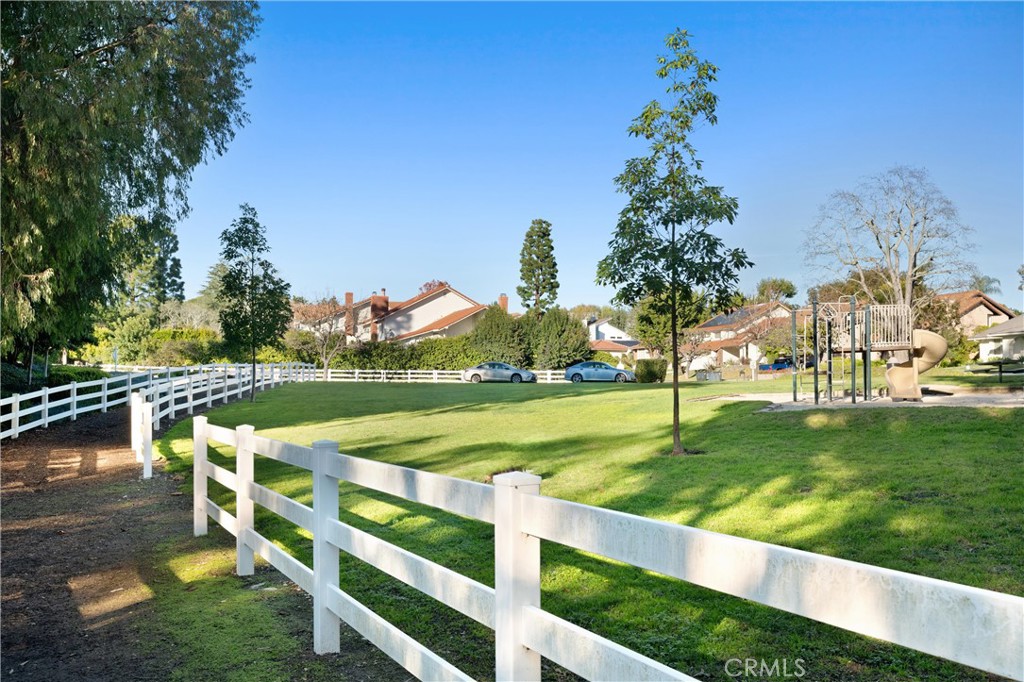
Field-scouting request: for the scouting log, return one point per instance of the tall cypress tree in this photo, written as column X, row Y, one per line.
column 538, row 269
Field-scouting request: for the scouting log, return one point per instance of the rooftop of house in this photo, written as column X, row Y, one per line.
column 735, row 319
column 966, row 301
column 1012, row 327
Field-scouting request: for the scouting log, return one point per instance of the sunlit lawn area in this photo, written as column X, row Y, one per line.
column 935, row 491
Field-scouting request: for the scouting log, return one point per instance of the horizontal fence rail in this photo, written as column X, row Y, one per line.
column 421, row 376
column 975, row 627
column 38, row 409
column 180, row 391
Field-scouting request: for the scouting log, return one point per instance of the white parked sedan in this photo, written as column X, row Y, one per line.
column 497, row 371
column 597, row 371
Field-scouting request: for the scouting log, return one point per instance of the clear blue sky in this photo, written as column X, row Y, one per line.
column 391, row 144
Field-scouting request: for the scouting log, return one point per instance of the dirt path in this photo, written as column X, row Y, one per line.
column 77, row 524
column 78, row 532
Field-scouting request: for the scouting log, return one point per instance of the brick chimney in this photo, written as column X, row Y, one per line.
column 378, row 309
column 503, row 302
column 350, row 321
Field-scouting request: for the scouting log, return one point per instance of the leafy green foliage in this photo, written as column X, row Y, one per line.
column 106, row 109
column 604, row 356
column 561, row 341
column 61, row 375
column 538, row 269
column 256, row 305
column 178, row 347
column 772, row 289
column 663, row 246
column 651, row 371
column 456, row 353
column 498, row 337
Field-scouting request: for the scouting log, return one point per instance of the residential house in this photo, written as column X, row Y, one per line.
column 976, row 309
column 439, row 313
column 736, row 337
column 606, row 337
column 1003, row 341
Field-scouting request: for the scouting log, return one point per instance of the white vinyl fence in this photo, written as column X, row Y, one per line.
column 421, row 376
column 975, row 627
column 174, row 394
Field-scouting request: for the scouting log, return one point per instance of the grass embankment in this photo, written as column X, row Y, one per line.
column 935, row 492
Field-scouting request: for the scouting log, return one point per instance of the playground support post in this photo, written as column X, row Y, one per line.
column 867, row 353
column 792, row 315
column 828, row 359
column 814, row 325
column 853, row 351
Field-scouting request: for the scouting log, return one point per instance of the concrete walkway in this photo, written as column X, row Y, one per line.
column 950, row 396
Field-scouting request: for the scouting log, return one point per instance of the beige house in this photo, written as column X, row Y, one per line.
column 439, row 313
column 736, row 337
column 976, row 309
column 1003, row 341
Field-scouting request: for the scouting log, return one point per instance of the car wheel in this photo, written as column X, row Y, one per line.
column 620, row 378
column 516, row 379
column 475, row 378
column 577, row 378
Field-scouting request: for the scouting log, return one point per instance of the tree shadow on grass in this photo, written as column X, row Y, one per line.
column 888, row 487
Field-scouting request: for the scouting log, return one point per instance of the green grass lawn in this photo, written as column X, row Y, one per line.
column 936, row 492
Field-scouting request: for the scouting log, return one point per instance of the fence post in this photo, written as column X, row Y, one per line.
column 516, row 576
column 199, row 517
column 149, row 377
column 326, row 625
column 15, row 415
column 190, row 392
column 225, row 384
column 156, row 407
column 147, row 439
column 136, row 425
column 103, row 395
column 435, row 376
column 46, row 407
column 74, row 401
column 172, row 395
column 245, row 561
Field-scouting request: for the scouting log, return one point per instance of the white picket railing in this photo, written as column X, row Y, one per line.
column 168, row 397
column 975, row 627
column 421, row 376
column 23, row 412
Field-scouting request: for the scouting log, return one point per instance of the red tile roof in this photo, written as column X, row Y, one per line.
column 444, row 322
column 966, row 301
column 608, row 346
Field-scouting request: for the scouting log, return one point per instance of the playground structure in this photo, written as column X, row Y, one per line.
column 849, row 331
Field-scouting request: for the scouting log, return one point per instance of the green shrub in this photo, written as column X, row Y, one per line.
column 61, row 375
column 605, row 356
column 178, row 347
column 651, row 371
column 13, row 379
column 376, row 355
column 447, row 354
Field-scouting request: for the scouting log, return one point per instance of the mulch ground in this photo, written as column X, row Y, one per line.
column 78, row 531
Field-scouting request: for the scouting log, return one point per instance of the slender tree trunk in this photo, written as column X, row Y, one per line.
column 677, row 444
column 252, row 390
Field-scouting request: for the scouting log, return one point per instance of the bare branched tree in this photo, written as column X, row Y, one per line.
column 899, row 225
column 322, row 318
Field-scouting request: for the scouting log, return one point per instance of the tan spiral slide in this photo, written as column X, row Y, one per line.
column 929, row 349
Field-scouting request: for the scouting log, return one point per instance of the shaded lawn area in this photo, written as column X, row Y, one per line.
column 936, row 492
